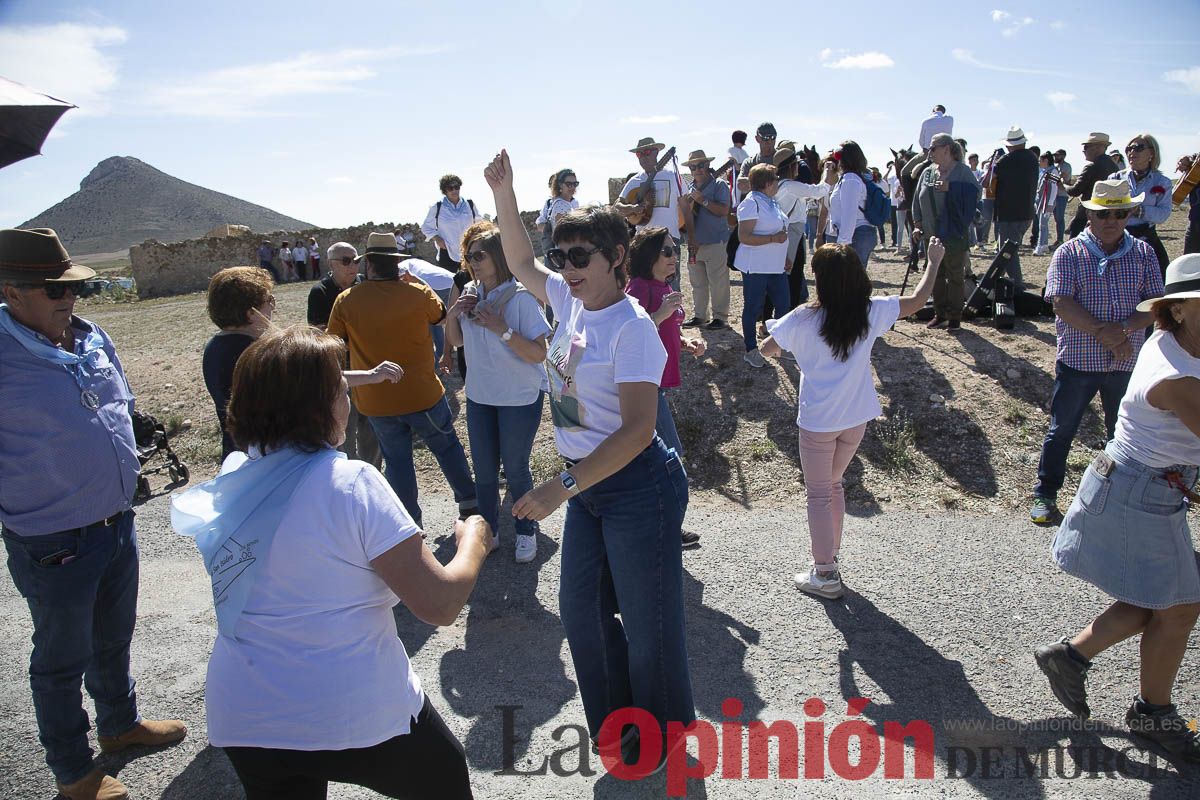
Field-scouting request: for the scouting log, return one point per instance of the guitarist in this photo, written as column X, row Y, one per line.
column 651, row 198
column 707, row 207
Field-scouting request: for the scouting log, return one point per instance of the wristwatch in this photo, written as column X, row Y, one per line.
column 504, row 337
column 568, row 482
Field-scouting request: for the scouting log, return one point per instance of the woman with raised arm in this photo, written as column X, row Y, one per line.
column 626, row 493
column 831, row 338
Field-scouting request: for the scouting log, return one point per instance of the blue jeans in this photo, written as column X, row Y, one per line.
column 83, row 615
column 756, row 287
column 864, row 242
column 503, row 433
column 1015, row 232
column 810, row 231
column 439, row 332
column 1043, row 230
column 984, row 229
column 664, row 425
column 1060, row 215
column 621, row 555
column 435, row 426
column 1073, row 392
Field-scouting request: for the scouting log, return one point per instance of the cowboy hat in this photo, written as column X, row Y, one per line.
column 646, row 143
column 1183, row 281
column 783, row 154
column 1095, row 137
column 37, row 256
column 383, row 244
column 1015, row 137
column 1112, row 194
column 697, row 158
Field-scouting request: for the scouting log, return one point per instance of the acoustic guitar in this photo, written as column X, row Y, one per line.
column 644, row 195
column 1187, row 183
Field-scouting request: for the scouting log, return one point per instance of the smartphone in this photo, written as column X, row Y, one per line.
column 54, row 559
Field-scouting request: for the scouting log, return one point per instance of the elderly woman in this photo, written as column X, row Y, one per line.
column 502, row 330
column 848, row 223
column 944, row 206
column 626, row 492
column 1145, row 178
column 1126, row 532
column 761, row 255
column 446, row 222
column 308, row 553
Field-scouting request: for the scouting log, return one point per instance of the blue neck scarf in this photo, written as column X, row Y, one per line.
column 92, row 347
column 1095, row 248
column 234, row 519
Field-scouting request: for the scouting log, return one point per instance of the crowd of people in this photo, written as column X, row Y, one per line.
column 309, row 544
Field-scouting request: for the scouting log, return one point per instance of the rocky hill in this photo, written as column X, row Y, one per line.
column 124, row 201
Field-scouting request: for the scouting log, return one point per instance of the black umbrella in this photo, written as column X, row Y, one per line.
column 26, row 118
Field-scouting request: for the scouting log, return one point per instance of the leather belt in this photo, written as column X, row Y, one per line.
column 107, row 522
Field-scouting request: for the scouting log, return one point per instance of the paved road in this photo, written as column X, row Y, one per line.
column 939, row 623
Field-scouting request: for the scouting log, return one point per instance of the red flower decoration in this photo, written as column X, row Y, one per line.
column 1158, row 190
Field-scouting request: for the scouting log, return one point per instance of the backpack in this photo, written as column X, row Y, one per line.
column 878, row 208
column 437, row 215
column 548, row 228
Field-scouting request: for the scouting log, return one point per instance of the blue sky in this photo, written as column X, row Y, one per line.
column 340, row 113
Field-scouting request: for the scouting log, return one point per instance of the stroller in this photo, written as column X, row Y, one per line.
column 151, row 439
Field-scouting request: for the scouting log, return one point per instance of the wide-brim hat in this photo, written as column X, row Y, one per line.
column 1112, row 194
column 36, row 255
column 696, row 158
column 646, row 143
column 383, row 244
column 782, row 154
column 1015, row 137
column 1182, row 282
column 1096, row 137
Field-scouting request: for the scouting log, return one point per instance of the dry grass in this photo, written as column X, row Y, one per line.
column 976, row 452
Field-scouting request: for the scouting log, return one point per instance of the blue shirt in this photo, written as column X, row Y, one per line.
column 1156, row 207
column 63, row 465
column 498, row 376
column 710, row 228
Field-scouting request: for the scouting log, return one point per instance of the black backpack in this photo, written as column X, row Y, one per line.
column 437, row 214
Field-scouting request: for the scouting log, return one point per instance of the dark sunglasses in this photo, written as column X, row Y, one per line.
column 57, row 291
column 668, row 250
column 477, row 256
column 579, row 257
column 571, row 184
column 345, row 260
column 766, row 138
column 1136, row 148
column 1116, row 213
column 454, row 187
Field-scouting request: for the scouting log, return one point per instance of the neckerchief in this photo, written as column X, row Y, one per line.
column 92, row 346
column 1096, row 249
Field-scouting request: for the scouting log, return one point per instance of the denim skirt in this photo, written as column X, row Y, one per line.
column 1126, row 534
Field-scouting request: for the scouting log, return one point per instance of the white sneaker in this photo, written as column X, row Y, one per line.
column 1039, row 251
column 755, row 359
column 812, row 582
column 526, row 548
column 495, row 543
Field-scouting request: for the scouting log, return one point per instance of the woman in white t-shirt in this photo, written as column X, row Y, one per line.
column 762, row 255
column 1126, row 532
column 847, row 204
column 308, row 553
column 563, row 185
column 626, row 493
column 831, row 339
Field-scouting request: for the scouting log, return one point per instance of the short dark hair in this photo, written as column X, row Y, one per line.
column 385, row 267
column 739, row 138
column 852, row 158
column 940, row 107
column 1163, row 319
column 234, row 292
column 284, row 388
column 644, row 251
column 447, row 181
column 602, row 227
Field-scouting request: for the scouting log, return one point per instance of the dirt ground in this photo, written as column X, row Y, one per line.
column 964, row 415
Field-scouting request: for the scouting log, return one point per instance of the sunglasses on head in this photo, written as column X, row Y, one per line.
column 476, row 256
column 579, row 257
column 57, row 291
column 1116, row 213
column 1136, row 147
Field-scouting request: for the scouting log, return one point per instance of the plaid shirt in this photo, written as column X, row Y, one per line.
column 1111, row 297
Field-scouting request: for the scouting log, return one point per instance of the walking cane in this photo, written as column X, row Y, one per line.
column 913, row 259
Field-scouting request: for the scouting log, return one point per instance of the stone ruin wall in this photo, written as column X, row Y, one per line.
column 161, row 269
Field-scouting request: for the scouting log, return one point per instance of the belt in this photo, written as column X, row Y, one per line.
column 107, row 522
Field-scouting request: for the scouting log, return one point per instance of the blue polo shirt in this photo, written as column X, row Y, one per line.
column 710, row 228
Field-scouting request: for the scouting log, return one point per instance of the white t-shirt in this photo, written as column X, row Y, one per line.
column 846, row 203
column 434, row 276
column 893, row 190
column 794, row 196
column 591, row 352
column 769, row 218
column 1147, row 434
column 834, row 395
column 666, row 199
column 738, row 154
column 317, row 664
column 300, row 253
column 285, row 254
column 554, row 209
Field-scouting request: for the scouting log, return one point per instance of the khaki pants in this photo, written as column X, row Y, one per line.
column 710, row 279
column 948, row 288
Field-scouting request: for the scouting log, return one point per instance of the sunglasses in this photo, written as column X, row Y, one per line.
column 767, row 138
column 1116, row 213
column 579, row 257
column 668, row 250
column 57, row 291
column 454, row 187
column 570, row 184
column 1136, row 148
column 345, row 260
column 477, row 256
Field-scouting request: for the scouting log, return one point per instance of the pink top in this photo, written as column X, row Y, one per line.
column 650, row 293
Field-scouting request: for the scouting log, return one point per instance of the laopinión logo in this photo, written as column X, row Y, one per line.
column 743, row 750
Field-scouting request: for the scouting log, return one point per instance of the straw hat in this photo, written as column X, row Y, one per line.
column 697, row 158
column 1015, row 137
column 1112, row 194
column 646, row 143
column 37, row 256
column 1183, row 281
column 1095, row 137
column 383, row 244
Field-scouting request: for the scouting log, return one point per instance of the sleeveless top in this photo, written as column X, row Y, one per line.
column 1147, row 434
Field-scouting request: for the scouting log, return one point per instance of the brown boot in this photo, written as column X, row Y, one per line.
column 150, row 732
column 94, row 786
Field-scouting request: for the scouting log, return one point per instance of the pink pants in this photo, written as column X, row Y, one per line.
column 824, row 458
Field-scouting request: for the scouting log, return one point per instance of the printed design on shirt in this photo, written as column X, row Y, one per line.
column 230, row 562
column 566, row 351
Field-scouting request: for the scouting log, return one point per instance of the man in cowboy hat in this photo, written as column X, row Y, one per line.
column 1100, row 165
column 1015, row 176
column 663, row 195
column 387, row 319
column 708, row 205
column 1096, row 282
column 68, row 471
